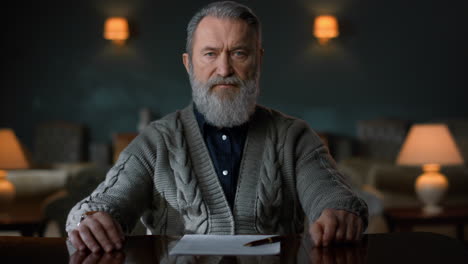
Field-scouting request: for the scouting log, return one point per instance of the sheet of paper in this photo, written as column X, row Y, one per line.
column 226, row 245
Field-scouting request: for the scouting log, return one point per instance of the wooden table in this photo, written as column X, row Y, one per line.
column 404, row 219
column 24, row 215
column 392, row 248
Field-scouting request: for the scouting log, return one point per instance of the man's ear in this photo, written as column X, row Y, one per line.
column 186, row 61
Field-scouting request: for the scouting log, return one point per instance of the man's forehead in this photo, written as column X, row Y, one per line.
column 212, row 29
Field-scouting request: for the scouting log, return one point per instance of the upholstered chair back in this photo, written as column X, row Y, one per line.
column 59, row 142
column 381, row 139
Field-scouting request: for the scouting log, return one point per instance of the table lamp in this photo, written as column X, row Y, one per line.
column 430, row 146
column 12, row 156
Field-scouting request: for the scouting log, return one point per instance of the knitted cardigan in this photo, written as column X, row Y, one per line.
column 166, row 177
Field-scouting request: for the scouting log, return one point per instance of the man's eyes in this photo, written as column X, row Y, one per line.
column 235, row 54
column 240, row 53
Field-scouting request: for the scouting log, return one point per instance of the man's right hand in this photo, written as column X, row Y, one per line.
column 97, row 231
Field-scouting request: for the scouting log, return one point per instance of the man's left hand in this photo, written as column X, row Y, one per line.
column 336, row 226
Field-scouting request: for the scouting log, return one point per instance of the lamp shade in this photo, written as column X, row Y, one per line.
column 12, row 154
column 116, row 28
column 429, row 144
column 325, row 28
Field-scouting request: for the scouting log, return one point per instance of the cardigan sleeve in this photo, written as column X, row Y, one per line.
column 318, row 182
column 125, row 193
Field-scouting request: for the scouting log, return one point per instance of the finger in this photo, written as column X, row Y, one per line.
column 112, row 257
column 76, row 240
column 351, row 228
column 340, row 233
column 92, row 258
column 78, row 257
column 111, row 230
column 316, row 232
column 330, row 224
column 99, row 233
column 341, row 226
column 88, row 238
column 106, row 258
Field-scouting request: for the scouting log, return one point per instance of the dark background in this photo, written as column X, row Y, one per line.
column 402, row 59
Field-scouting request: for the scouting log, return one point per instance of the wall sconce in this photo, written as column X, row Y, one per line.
column 116, row 29
column 325, row 28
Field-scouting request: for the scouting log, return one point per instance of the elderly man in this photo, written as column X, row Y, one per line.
column 223, row 165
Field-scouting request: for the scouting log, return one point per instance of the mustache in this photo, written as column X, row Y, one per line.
column 232, row 80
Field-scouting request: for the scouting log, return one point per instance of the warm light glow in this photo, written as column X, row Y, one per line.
column 12, row 154
column 325, row 28
column 429, row 143
column 116, row 29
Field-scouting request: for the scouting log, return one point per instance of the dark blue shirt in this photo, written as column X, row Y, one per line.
column 225, row 146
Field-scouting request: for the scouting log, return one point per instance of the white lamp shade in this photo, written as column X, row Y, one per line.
column 429, row 144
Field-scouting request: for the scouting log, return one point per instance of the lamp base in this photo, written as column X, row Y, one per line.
column 431, row 187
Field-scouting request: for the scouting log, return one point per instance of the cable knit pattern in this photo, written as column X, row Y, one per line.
column 270, row 192
column 189, row 197
column 166, row 177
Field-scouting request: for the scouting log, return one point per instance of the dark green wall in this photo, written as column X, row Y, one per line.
column 396, row 58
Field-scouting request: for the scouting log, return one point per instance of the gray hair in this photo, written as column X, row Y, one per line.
column 223, row 10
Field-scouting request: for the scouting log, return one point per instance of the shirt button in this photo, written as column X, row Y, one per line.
column 224, row 137
column 225, row 172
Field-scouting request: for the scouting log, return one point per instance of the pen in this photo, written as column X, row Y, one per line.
column 268, row 240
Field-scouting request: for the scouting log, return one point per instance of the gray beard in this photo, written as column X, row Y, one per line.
column 230, row 111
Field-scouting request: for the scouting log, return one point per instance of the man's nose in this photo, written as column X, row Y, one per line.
column 224, row 67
